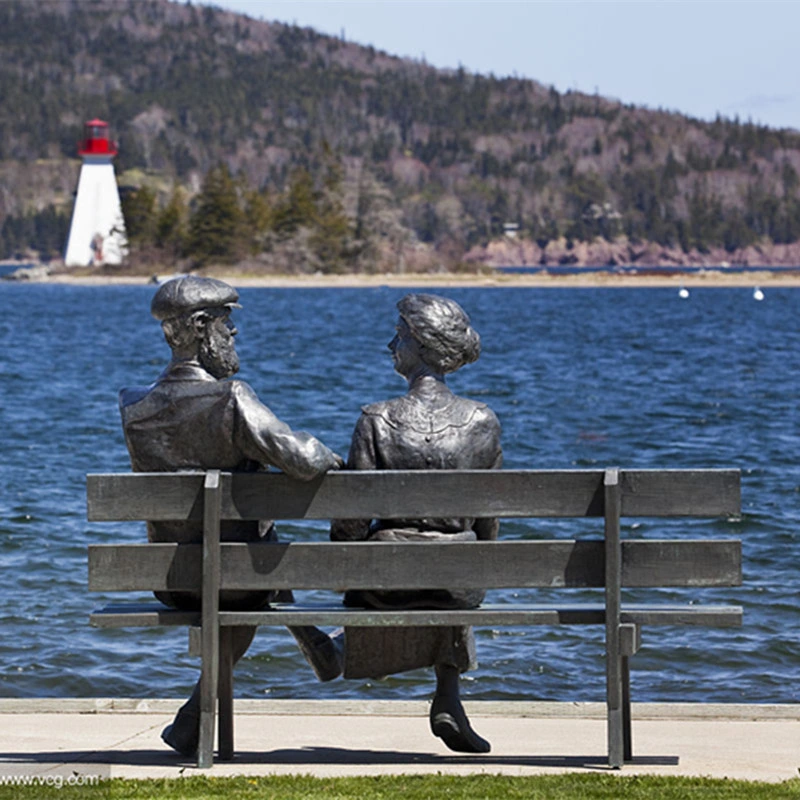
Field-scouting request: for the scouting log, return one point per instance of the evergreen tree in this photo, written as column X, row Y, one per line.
column 216, row 228
column 171, row 225
column 139, row 211
column 298, row 206
column 259, row 220
column 706, row 219
column 332, row 230
column 50, row 231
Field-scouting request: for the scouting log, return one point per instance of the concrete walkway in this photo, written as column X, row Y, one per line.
column 97, row 739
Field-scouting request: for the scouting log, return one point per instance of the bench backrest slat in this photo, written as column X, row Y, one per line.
column 414, row 494
column 503, row 564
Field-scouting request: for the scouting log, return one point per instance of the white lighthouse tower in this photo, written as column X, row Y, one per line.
column 97, row 232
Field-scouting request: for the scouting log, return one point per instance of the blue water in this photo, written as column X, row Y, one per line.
column 578, row 378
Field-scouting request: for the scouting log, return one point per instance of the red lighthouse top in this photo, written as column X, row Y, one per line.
column 95, row 140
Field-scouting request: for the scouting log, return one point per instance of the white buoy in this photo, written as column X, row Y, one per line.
column 758, row 294
column 683, row 293
column 97, row 231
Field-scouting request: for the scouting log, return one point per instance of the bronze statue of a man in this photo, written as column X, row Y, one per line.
column 191, row 418
column 427, row 428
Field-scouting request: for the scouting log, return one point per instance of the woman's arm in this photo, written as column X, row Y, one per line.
column 361, row 456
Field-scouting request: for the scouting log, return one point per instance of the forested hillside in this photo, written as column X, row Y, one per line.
column 247, row 140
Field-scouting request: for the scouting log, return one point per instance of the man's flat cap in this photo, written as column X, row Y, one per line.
column 191, row 293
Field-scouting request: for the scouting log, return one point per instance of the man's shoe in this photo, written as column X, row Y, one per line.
column 181, row 739
column 449, row 722
column 323, row 652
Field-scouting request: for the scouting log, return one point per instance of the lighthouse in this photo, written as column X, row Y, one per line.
column 97, row 232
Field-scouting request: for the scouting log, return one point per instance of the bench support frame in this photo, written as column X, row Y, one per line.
column 621, row 493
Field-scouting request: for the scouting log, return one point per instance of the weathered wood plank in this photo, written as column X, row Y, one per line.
column 144, row 496
column 137, row 615
column 709, row 616
column 667, row 493
column 690, row 562
column 143, row 567
column 411, row 494
column 490, row 615
column 358, row 565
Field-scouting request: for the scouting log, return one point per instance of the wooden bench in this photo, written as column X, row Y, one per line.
column 608, row 562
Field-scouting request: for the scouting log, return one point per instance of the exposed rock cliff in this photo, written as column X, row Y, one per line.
column 510, row 252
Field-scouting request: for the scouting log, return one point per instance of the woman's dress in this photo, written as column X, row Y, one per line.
column 428, row 428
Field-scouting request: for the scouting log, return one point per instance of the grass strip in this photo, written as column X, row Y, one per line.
column 406, row 787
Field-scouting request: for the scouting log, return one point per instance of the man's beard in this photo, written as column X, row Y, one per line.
column 218, row 355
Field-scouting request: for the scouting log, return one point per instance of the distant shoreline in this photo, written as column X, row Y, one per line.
column 709, row 279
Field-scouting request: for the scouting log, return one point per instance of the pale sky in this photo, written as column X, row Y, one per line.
column 699, row 57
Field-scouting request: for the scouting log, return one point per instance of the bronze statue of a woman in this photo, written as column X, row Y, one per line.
column 427, row 428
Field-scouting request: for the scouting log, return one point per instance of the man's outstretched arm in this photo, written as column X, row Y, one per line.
column 267, row 440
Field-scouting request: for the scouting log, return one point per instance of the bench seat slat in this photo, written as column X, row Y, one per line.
column 141, row 615
column 359, row 565
column 393, row 494
column 132, row 615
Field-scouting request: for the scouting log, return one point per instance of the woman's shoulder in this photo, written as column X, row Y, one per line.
column 382, row 406
column 390, row 411
column 477, row 414
column 407, row 411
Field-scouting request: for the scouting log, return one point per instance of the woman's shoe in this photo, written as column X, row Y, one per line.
column 449, row 722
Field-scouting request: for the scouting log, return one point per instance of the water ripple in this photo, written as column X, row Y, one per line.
column 578, row 378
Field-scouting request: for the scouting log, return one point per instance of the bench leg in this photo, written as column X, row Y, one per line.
column 620, row 737
column 613, row 579
column 209, row 677
column 208, row 704
column 630, row 640
column 615, row 738
column 226, row 694
column 627, row 738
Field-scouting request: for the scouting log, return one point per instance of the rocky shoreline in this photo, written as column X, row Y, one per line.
column 517, row 252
